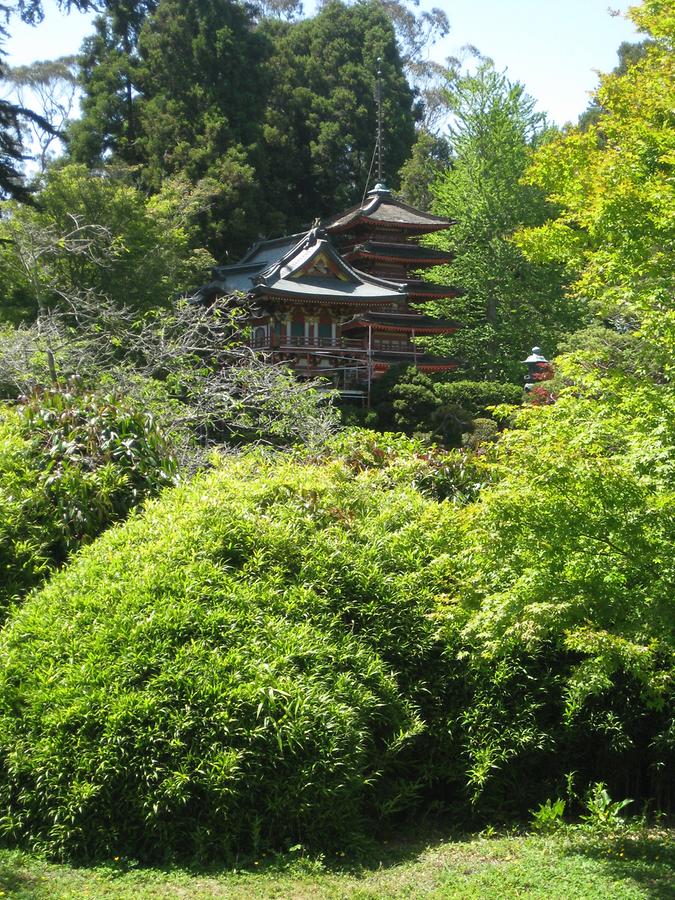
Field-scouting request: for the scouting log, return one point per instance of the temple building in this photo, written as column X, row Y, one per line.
column 380, row 236
column 341, row 300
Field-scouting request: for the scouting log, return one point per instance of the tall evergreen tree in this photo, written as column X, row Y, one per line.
column 507, row 303
column 320, row 123
column 274, row 120
column 178, row 87
column 109, row 78
column 203, row 82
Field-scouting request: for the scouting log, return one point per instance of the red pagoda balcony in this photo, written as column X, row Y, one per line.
column 301, row 342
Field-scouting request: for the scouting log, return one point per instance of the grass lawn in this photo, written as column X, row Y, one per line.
column 569, row 864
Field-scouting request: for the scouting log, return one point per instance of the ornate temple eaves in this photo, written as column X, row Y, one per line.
column 304, row 270
column 402, row 323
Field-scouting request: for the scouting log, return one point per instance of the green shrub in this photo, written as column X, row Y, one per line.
column 292, row 650
column 476, row 397
column 254, row 662
column 549, row 815
column 70, row 464
column 566, row 565
column 357, row 417
column 601, row 811
column 483, row 431
column 445, row 410
column 436, row 472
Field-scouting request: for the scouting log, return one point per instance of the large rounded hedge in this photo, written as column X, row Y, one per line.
column 252, row 662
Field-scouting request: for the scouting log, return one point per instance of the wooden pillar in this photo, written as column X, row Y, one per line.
column 370, row 361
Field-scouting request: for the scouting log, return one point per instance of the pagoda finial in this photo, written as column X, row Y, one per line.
column 378, row 101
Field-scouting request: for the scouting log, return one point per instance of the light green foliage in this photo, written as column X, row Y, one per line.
column 94, row 235
column 289, row 649
column 601, row 811
column 434, row 471
column 507, row 303
column 628, row 53
column 593, row 478
column 70, row 464
column 613, row 184
column 549, row 815
column 252, row 663
column 567, row 557
column 567, row 563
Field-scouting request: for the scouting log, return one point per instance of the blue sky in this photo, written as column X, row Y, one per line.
column 555, row 48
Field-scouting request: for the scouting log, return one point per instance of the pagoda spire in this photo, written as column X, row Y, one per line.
column 378, row 101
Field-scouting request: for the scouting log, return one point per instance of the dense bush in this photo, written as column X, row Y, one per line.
column 436, row 472
column 71, row 463
column 446, row 410
column 477, row 397
column 292, row 650
column 93, row 235
column 567, row 570
column 435, row 406
column 254, row 662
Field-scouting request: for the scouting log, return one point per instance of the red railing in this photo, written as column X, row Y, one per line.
column 287, row 344
column 277, row 342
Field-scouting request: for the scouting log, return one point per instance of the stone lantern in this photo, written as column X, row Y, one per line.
column 538, row 368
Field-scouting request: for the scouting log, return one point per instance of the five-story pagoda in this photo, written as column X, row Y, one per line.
column 380, row 237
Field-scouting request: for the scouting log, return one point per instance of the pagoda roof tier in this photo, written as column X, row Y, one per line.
column 410, row 254
column 308, row 269
column 381, row 208
column 423, row 363
column 426, row 290
column 403, row 323
column 240, row 276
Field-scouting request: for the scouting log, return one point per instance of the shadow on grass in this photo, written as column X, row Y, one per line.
column 647, row 858
column 18, row 883
column 387, row 851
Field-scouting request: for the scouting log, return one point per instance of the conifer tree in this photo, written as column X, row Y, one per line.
column 507, row 303
column 321, row 118
column 274, row 120
column 109, row 78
